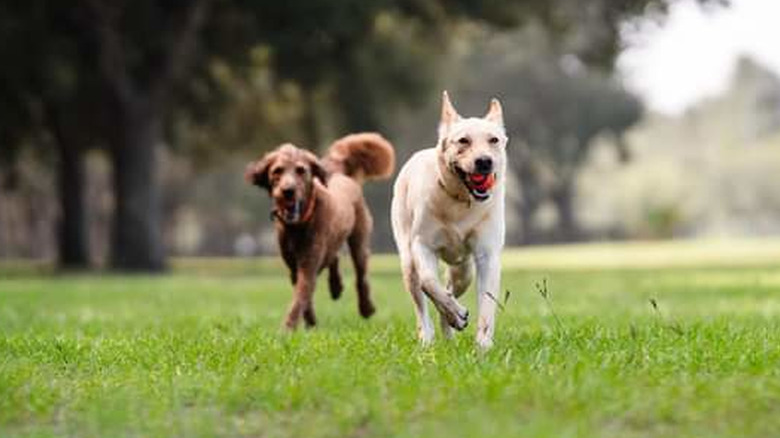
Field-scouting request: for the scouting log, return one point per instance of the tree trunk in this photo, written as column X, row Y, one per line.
column 568, row 228
column 526, row 233
column 137, row 237
column 309, row 120
column 72, row 229
column 532, row 194
column 356, row 100
column 531, row 198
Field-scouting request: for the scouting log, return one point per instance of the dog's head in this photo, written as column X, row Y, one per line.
column 288, row 173
column 474, row 148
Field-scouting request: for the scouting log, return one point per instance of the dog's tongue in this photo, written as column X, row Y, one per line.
column 291, row 207
column 481, row 181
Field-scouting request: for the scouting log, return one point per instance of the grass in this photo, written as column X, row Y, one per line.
column 199, row 352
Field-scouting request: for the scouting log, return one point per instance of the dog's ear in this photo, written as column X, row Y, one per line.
column 448, row 115
column 317, row 169
column 257, row 171
column 495, row 114
column 319, row 172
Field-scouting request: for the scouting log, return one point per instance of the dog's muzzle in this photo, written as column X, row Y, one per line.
column 478, row 184
column 288, row 211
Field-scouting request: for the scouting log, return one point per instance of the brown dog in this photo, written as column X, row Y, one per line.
column 319, row 205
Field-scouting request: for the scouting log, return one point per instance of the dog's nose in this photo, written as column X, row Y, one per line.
column 483, row 165
column 288, row 193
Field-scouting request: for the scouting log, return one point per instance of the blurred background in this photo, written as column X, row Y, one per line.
column 125, row 126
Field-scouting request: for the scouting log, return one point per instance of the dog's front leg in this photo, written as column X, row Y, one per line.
column 305, row 281
column 427, row 264
column 488, row 263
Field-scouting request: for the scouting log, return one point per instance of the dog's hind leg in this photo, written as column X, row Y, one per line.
column 458, row 281
column 359, row 243
column 334, row 280
column 412, row 283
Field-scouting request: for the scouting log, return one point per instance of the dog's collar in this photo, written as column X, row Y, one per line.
column 453, row 195
column 309, row 212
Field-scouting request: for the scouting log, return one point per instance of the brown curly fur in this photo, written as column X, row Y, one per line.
column 330, row 190
column 361, row 156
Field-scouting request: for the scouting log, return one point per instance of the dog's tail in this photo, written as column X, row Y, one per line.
column 362, row 157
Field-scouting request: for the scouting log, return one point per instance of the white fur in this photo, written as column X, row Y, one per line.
column 434, row 218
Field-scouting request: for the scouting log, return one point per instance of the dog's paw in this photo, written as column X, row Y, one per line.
column 458, row 317
column 336, row 288
column 484, row 342
column 366, row 308
column 425, row 336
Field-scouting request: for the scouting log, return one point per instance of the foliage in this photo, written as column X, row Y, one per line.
column 210, row 75
column 708, row 172
column 555, row 108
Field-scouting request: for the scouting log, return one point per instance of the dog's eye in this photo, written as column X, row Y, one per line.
column 493, row 140
column 277, row 171
column 300, row 170
column 464, row 141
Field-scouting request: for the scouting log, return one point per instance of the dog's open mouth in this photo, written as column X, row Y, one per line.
column 289, row 210
column 478, row 184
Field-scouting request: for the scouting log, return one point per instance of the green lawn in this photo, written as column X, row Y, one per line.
column 200, row 353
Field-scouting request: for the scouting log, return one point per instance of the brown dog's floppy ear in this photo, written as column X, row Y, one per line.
column 257, row 172
column 317, row 170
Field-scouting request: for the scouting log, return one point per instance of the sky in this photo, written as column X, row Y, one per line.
column 692, row 54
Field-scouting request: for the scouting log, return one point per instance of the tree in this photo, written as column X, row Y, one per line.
column 142, row 50
column 47, row 98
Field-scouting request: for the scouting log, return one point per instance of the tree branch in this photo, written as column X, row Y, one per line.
column 111, row 56
column 181, row 51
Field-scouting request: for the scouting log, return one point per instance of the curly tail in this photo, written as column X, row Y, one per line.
column 361, row 156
